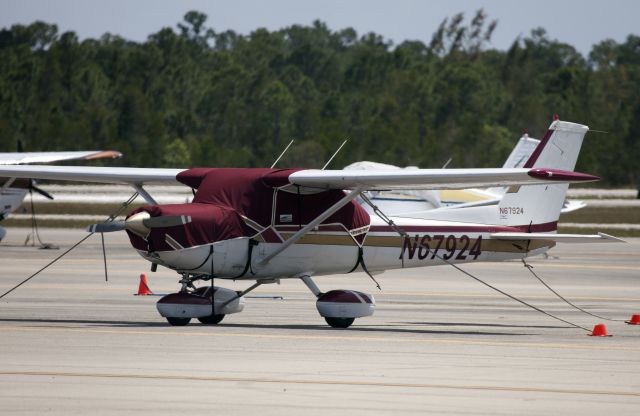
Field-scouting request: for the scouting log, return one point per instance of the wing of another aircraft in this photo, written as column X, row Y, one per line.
column 97, row 174
column 24, row 158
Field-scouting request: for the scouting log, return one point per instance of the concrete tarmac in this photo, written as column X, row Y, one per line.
column 438, row 343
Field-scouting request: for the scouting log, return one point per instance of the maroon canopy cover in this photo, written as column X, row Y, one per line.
column 224, row 195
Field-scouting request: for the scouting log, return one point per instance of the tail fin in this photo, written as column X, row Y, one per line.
column 537, row 208
column 517, row 158
column 522, row 152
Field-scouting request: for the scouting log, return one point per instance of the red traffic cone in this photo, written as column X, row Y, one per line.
column 635, row 320
column 599, row 330
column 143, row 287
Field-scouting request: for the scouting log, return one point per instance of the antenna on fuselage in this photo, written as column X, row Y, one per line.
column 334, row 155
column 282, row 154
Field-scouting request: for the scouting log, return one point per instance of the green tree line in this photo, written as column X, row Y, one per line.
column 192, row 96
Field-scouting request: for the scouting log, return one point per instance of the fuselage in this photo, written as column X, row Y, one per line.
column 335, row 251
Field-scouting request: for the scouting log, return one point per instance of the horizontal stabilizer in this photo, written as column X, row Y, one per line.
column 140, row 223
column 560, row 238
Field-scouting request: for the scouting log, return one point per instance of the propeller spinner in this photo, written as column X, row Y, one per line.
column 140, row 224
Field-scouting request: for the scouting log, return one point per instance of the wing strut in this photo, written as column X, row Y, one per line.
column 143, row 193
column 297, row 236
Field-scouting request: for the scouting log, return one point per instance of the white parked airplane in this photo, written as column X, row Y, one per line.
column 262, row 225
column 416, row 203
column 13, row 190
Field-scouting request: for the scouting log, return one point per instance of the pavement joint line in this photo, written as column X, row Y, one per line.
column 382, row 295
column 355, row 383
column 356, row 338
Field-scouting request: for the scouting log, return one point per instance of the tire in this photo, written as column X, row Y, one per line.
column 178, row 321
column 339, row 322
column 211, row 319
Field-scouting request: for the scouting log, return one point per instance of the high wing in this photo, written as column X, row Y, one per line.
column 432, row 178
column 126, row 176
column 24, row 158
column 320, row 179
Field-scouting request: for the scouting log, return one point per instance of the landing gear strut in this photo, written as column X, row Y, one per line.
column 206, row 305
column 340, row 307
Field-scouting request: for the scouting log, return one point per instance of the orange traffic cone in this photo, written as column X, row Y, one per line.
column 599, row 330
column 635, row 320
column 143, row 287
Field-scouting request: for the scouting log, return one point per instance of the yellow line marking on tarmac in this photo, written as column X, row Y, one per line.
column 354, row 383
column 602, row 347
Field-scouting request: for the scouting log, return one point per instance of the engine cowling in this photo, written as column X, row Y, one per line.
column 345, row 304
column 197, row 304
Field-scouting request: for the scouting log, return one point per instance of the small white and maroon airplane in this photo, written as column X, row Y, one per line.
column 263, row 225
column 12, row 191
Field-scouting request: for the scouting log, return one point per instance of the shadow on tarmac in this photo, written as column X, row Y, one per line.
column 382, row 329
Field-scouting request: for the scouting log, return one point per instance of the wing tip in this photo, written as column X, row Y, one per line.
column 611, row 238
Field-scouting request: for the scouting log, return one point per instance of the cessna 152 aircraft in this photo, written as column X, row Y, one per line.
column 13, row 191
column 263, row 225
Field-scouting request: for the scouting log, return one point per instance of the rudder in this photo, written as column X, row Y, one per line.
column 536, row 208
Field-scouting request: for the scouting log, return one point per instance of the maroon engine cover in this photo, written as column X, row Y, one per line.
column 209, row 223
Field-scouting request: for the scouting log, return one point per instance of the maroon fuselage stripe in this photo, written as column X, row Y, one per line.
column 536, row 152
column 539, row 228
column 449, row 229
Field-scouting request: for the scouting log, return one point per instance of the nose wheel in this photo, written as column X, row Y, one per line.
column 211, row 319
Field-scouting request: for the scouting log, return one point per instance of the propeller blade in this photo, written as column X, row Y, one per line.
column 106, row 227
column 104, row 257
column 140, row 224
column 41, row 191
column 166, row 221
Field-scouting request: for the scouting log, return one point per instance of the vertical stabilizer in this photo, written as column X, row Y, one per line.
column 522, row 152
column 517, row 158
column 537, row 207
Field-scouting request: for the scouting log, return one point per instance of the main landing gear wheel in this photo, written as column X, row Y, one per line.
column 339, row 322
column 178, row 321
column 211, row 319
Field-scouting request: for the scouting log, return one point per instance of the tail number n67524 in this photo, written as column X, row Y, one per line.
column 439, row 245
